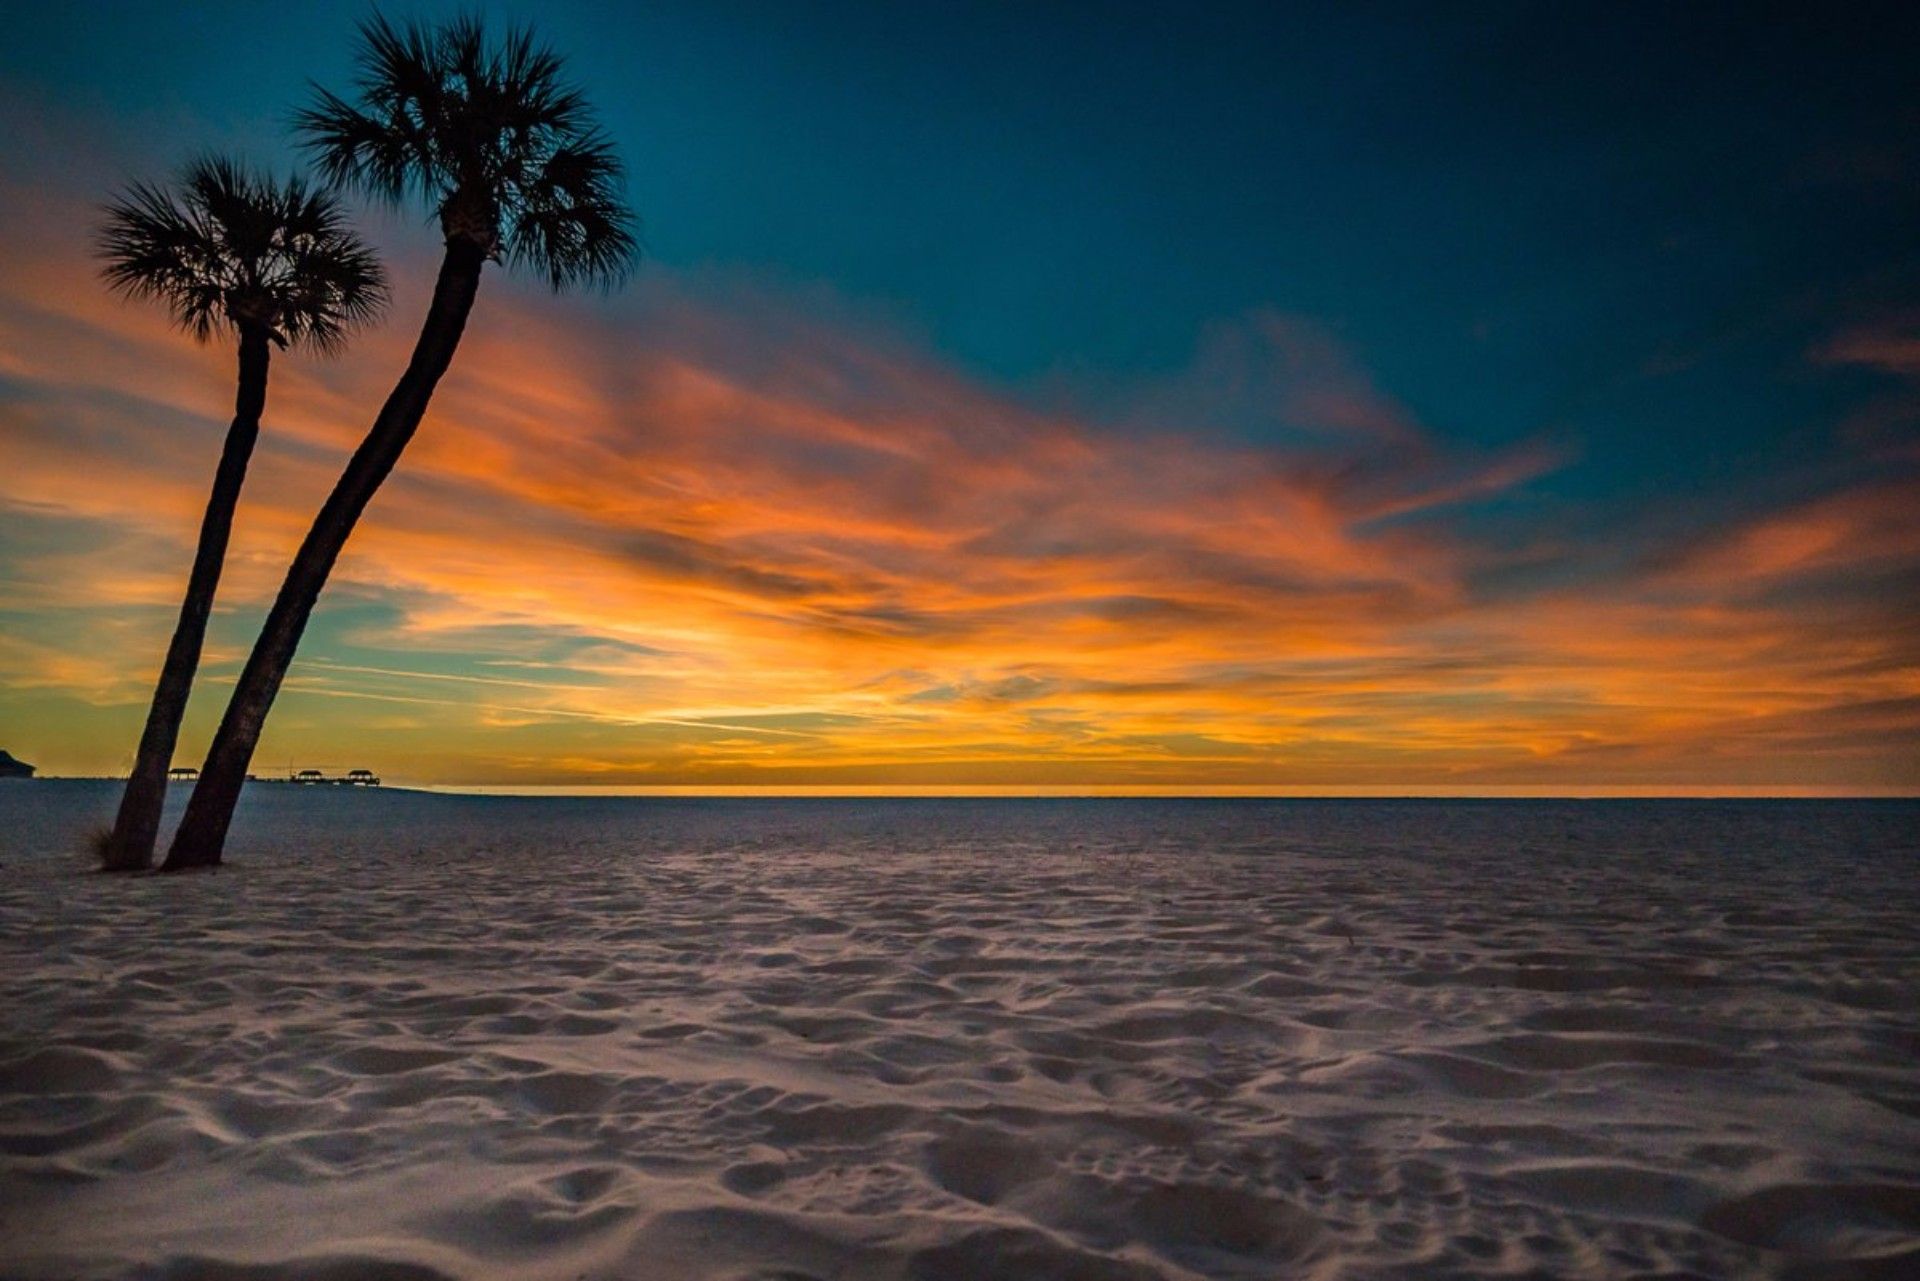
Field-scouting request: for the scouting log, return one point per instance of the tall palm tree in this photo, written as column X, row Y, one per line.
column 511, row 162
column 274, row 264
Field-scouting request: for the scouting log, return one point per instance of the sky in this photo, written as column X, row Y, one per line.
column 1317, row 398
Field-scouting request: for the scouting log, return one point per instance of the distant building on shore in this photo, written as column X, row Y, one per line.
column 11, row 768
column 320, row 778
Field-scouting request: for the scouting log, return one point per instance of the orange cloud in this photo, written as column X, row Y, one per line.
column 1893, row 351
column 700, row 535
column 1871, row 526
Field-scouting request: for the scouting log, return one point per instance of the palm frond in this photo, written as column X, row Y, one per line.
column 572, row 225
column 156, row 247
column 469, row 123
column 355, row 150
column 227, row 247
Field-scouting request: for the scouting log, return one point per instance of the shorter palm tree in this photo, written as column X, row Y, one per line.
column 276, row 265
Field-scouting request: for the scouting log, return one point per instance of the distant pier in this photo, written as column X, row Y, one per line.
column 304, row 778
column 320, row 778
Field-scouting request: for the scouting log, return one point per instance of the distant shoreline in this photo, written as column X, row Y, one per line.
column 839, row 791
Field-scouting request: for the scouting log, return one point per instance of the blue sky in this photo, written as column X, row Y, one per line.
column 1510, row 208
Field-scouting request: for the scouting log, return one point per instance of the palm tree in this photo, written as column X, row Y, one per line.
column 275, row 264
column 510, row 160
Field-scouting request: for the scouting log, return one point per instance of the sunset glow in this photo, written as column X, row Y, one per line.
column 737, row 528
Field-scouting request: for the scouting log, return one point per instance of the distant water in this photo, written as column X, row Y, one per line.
column 1834, row 850
column 1119, row 1040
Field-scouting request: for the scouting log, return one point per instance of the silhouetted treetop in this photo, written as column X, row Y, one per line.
column 507, row 154
column 229, row 247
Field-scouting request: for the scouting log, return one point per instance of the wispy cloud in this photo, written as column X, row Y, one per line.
column 707, row 533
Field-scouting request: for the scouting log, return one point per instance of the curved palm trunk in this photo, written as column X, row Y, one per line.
column 137, row 824
column 203, row 830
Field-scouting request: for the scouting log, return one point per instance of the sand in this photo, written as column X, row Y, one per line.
column 426, row 1038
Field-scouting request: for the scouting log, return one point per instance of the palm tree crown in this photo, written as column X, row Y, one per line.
column 507, row 154
column 233, row 248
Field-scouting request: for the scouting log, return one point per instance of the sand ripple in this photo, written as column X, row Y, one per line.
column 416, row 1038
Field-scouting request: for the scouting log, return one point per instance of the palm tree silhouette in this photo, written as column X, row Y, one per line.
column 275, row 264
column 512, row 163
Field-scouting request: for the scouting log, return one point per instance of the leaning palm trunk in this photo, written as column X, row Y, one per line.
column 137, row 824
column 203, row 830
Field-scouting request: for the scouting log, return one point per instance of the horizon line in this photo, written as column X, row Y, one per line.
column 1121, row 791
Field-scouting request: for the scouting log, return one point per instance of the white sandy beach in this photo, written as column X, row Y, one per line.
column 429, row 1037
